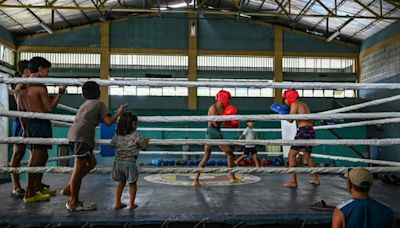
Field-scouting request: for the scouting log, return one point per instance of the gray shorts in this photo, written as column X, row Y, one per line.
column 125, row 171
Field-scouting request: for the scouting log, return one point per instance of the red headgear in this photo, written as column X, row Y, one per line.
column 291, row 95
column 223, row 97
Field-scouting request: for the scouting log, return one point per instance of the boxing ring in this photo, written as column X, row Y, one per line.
column 165, row 196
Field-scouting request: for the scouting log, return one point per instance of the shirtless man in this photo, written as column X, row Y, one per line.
column 305, row 130
column 18, row 130
column 220, row 107
column 38, row 100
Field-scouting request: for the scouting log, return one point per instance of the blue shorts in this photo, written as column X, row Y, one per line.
column 17, row 130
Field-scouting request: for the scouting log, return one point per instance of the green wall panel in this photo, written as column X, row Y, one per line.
column 150, row 32
column 302, row 43
column 221, row 33
column 6, row 35
column 85, row 37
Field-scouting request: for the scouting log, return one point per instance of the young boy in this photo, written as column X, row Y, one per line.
column 305, row 130
column 18, row 131
column 249, row 149
column 36, row 99
column 81, row 137
column 214, row 132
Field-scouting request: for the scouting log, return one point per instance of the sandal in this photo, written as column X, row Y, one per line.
column 18, row 194
column 39, row 197
column 82, row 206
column 322, row 206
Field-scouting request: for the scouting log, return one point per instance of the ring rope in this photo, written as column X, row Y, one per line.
column 191, row 84
column 180, row 142
column 362, row 105
column 315, row 155
column 360, row 123
column 67, row 108
column 269, row 117
column 148, row 170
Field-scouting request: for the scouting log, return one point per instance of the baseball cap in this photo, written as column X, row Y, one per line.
column 360, row 177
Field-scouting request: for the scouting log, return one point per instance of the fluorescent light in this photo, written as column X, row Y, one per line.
column 333, row 36
column 46, row 27
column 193, row 30
column 178, row 5
column 244, row 15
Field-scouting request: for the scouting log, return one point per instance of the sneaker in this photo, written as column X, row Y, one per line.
column 39, row 197
column 48, row 191
column 82, row 206
column 18, row 194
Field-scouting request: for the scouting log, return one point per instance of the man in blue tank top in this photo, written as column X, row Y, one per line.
column 361, row 211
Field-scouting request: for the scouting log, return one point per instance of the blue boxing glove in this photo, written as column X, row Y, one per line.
column 280, row 109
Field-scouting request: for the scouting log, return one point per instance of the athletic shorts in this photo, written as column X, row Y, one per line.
column 214, row 133
column 37, row 128
column 81, row 149
column 125, row 171
column 17, row 130
column 306, row 132
column 250, row 150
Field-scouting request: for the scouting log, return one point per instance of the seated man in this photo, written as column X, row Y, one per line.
column 361, row 211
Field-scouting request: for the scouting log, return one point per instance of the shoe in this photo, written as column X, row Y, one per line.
column 48, row 191
column 82, row 206
column 39, row 197
column 18, row 194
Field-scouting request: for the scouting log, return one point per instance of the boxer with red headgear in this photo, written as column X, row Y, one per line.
column 220, row 107
column 305, row 130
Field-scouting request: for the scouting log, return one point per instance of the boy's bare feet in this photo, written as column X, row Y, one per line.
column 290, row 185
column 196, row 184
column 234, row 179
column 66, row 191
column 314, row 182
column 132, row 206
column 119, row 206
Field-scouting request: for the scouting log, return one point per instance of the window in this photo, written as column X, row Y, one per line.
column 310, row 64
column 236, row 92
column 325, row 93
column 146, row 90
column 235, row 63
column 142, row 61
column 67, row 60
column 6, row 55
column 52, row 89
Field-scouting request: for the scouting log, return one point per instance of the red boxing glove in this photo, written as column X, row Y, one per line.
column 231, row 110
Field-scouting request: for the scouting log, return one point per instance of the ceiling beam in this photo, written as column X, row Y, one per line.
column 82, row 12
column 325, row 7
column 15, row 21
column 367, row 8
column 371, row 24
column 393, row 3
column 188, row 11
column 52, row 2
column 323, row 19
column 283, row 9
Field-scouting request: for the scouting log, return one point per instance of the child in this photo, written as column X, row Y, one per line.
column 249, row 149
column 81, row 140
column 220, row 107
column 305, row 131
column 35, row 98
column 127, row 143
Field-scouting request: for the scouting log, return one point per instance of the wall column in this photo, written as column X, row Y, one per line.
column 278, row 53
column 105, row 60
column 192, row 60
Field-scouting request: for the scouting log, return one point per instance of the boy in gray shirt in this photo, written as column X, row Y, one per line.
column 81, row 137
